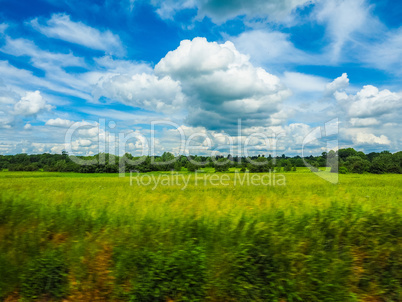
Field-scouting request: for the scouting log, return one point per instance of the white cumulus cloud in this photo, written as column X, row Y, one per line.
column 369, row 102
column 339, row 83
column 222, row 85
column 31, row 104
column 58, row 122
column 370, row 139
column 211, row 84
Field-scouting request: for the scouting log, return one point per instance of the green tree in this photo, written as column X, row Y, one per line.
column 345, row 153
column 177, row 165
column 387, row 163
column 222, row 165
column 191, row 167
column 260, row 165
column 287, row 167
column 356, row 164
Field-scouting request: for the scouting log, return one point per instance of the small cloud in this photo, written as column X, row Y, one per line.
column 58, row 122
column 27, row 126
column 31, row 104
column 60, row 26
column 364, row 122
column 338, row 84
column 370, row 139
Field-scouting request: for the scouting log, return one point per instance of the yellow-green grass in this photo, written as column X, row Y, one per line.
column 307, row 240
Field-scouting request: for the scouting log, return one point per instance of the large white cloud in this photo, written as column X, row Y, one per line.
column 212, row 84
column 222, row 85
column 197, row 57
column 60, row 26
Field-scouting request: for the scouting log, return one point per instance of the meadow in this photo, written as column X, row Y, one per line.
column 100, row 237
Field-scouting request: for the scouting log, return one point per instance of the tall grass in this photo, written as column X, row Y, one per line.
column 98, row 238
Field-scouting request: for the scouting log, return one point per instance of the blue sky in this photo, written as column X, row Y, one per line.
column 281, row 67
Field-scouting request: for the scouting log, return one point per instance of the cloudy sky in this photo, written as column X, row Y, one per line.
column 139, row 75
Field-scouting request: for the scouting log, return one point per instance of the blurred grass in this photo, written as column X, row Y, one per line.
column 307, row 241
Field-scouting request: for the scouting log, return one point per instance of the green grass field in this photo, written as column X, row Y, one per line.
column 96, row 237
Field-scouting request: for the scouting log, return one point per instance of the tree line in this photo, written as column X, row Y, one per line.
column 343, row 161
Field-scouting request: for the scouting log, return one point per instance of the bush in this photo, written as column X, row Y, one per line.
column 261, row 165
column 45, row 276
column 191, row 167
column 287, row 166
column 162, row 275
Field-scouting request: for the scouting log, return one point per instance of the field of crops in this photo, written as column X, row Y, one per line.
column 98, row 237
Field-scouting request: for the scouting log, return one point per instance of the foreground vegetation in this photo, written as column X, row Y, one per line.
column 77, row 237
